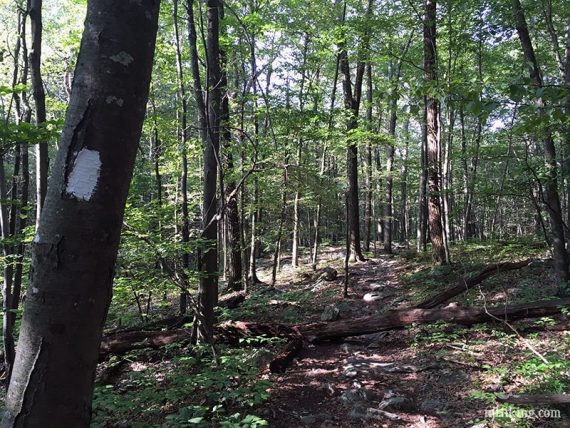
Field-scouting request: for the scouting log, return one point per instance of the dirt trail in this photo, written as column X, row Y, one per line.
column 377, row 380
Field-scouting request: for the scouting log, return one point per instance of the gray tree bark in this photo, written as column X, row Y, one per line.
column 75, row 247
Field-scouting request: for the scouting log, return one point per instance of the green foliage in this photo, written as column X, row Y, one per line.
column 203, row 392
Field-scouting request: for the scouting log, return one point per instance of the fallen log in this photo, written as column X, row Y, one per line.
column 288, row 353
column 466, row 284
column 535, row 399
column 121, row 343
column 234, row 332
column 403, row 317
column 231, row 332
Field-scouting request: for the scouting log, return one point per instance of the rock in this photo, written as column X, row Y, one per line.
column 375, row 286
column 378, row 414
column 350, row 372
column 396, row 403
column 355, row 395
column 433, row 406
column 308, row 419
column 331, row 313
column 375, row 296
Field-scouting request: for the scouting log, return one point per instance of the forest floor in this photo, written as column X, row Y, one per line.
column 431, row 375
column 435, row 375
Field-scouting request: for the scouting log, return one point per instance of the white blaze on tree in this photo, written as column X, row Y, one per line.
column 84, row 175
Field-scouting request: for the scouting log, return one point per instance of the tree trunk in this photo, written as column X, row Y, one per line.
column 35, row 13
column 403, row 317
column 182, row 113
column 551, row 197
column 352, row 105
column 208, row 289
column 368, row 195
column 404, row 212
column 72, row 262
column 432, row 107
column 422, row 194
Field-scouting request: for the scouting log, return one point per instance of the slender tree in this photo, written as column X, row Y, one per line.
column 35, row 13
column 551, row 196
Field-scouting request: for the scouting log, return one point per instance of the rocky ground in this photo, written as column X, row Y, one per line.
column 416, row 377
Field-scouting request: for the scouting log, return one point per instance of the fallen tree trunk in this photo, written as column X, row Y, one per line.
column 466, row 284
column 535, row 399
column 403, row 317
column 233, row 332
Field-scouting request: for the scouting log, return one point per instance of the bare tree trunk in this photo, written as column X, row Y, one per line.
column 432, row 107
column 390, row 150
column 551, row 197
column 208, row 289
column 323, row 168
column 352, row 105
column 296, row 213
column 422, row 194
column 368, row 194
column 404, row 209
column 35, row 13
column 72, row 262
column 182, row 113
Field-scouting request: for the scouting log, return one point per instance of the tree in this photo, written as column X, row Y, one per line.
column 208, row 290
column 432, row 107
column 75, row 246
column 551, row 196
column 42, row 165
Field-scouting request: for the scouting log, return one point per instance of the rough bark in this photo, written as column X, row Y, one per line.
column 73, row 261
column 432, row 107
column 208, row 289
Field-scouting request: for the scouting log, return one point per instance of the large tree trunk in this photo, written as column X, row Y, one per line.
column 352, row 105
column 35, row 13
column 432, row 107
column 551, row 197
column 75, row 247
column 208, row 289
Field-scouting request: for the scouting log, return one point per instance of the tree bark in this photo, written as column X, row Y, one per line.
column 551, row 197
column 42, row 162
column 400, row 318
column 352, row 105
column 208, row 289
column 432, row 107
column 182, row 113
column 73, row 261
